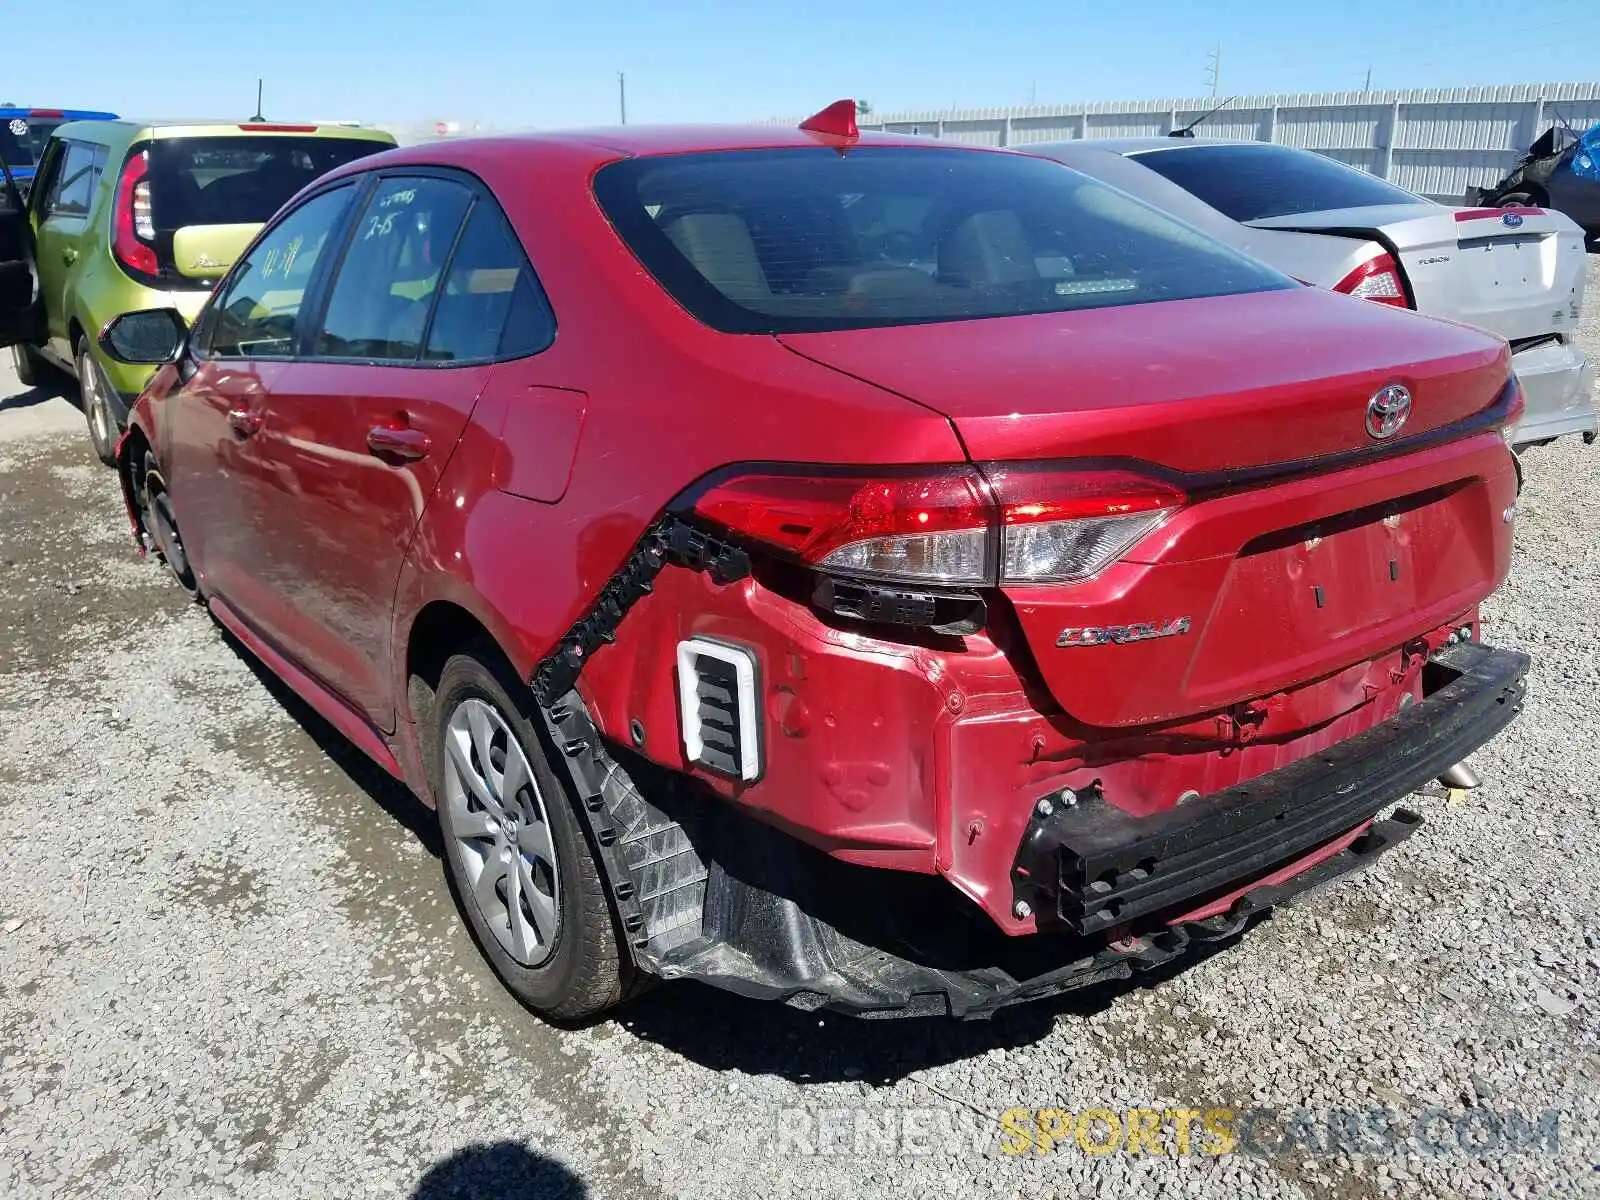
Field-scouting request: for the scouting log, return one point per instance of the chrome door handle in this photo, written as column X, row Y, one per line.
column 398, row 441
column 244, row 421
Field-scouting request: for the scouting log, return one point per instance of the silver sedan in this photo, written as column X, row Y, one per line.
column 1517, row 272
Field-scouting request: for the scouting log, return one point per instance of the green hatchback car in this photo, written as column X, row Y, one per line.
column 125, row 215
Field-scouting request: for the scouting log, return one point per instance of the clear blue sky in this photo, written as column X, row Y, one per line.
column 520, row 62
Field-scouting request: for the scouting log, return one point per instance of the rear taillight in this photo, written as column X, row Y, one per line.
column 1061, row 526
column 1377, row 279
column 132, row 224
column 932, row 528
column 1022, row 524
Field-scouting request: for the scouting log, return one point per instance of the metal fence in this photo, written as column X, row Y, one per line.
column 1435, row 141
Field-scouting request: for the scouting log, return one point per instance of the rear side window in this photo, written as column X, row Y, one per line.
column 774, row 241
column 258, row 312
column 1251, row 183
column 380, row 300
column 72, row 187
column 491, row 306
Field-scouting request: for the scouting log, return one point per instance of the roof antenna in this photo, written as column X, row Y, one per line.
column 1188, row 130
column 837, row 120
column 258, row 116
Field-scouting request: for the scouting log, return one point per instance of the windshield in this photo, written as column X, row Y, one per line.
column 1250, row 183
column 786, row 241
column 238, row 180
column 22, row 140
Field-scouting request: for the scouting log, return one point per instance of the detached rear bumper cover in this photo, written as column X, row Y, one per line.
column 1100, row 867
column 1557, row 386
column 767, row 917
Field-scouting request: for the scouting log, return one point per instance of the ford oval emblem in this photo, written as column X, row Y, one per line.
column 1387, row 411
column 1511, row 220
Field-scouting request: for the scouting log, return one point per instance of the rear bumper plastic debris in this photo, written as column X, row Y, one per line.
column 708, row 893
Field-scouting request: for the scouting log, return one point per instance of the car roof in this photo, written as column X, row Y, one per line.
column 1141, row 145
column 601, row 145
column 134, row 129
column 66, row 114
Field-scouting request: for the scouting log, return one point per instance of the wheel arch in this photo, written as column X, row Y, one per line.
column 440, row 627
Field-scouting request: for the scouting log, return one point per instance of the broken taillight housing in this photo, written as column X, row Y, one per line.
column 1011, row 524
column 1377, row 279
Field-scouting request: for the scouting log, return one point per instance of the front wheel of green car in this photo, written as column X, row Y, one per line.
column 97, row 410
column 519, row 864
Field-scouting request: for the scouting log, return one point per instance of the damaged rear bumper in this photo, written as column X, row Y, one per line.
column 705, row 892
column 1096, row 867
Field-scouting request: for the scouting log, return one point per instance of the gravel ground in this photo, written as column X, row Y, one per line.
column 229, row 964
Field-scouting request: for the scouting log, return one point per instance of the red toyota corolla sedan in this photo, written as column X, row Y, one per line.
column 847, row 569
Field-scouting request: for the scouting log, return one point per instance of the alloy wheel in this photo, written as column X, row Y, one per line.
column 497, row 816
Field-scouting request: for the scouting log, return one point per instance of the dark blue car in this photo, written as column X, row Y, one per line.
column 1561, row 171
column 24, row 131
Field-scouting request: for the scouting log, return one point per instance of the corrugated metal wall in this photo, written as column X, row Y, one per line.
column 1435, row 141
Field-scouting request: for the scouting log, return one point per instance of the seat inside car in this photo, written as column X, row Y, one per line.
column 720, row 247
column 987, row 249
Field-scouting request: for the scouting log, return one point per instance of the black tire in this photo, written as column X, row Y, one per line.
column 586, row 969
column 26, row 364
column 1516, row 200
column 95, row 390
column 160, row 521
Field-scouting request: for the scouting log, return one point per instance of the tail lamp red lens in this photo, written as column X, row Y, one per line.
column 1019, row 525
column 133, row 224
column 1377, row 279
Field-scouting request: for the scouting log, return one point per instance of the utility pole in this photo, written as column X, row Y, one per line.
column 1214, row 68
column 622, row 95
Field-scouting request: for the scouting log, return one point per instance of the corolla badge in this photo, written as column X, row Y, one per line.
column 1511, row 220
column 1121, row 635
column 1387, row 411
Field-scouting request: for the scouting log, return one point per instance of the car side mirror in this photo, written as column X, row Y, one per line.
column 149, row 336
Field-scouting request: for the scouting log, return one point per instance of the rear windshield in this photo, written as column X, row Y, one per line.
column 238, row 180
column 1250, row 183
column 787, row 241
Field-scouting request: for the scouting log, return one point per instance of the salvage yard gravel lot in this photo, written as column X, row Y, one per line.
column 229, row 964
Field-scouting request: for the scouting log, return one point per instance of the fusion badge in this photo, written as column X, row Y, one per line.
column 1121, row 635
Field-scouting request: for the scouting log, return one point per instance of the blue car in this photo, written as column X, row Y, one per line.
column 24, row 131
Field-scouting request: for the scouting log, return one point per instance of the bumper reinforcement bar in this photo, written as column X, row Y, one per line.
column 1094, row 866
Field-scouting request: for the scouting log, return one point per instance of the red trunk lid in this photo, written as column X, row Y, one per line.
column 1261, row 586
column 1195, row 385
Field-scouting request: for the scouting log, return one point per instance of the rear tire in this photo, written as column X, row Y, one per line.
column 1517, row 200
column 26, row 364
column 96, row 394
column 520, row 866
column 161, row 523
